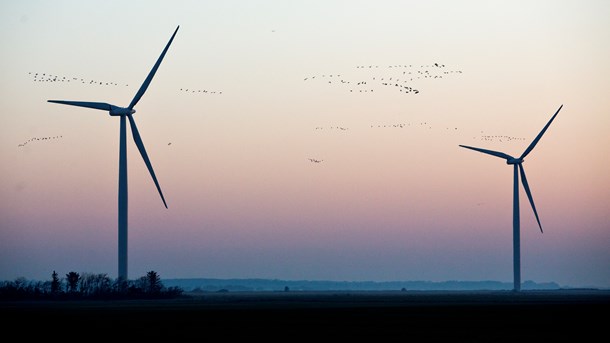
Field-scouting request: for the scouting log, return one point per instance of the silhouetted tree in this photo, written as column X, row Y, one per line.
column 40, row 289
column 55, row 283
column 120, row 286
column 16, row 289
column 88, row 286
column 21, row 283
column 153, row 283
column 95, row 285
column 72, row 278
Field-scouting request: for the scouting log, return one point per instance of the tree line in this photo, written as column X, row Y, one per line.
column 88, row 286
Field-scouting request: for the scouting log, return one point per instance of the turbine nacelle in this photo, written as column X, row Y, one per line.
column 121, row 111
column 514, row 161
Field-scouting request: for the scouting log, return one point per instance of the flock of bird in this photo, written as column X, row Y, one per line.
column 44, row 77
column 423, row 124
column 406, row 125
column 52, row 78
column 429, row 126
column 332, row 128
column 401, row 77
column 38, row 139
column 199, row 91
column 500, row 138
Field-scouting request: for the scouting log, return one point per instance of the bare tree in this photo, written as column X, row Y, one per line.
column 72, row 278
column 95, row 284
column 120, row 286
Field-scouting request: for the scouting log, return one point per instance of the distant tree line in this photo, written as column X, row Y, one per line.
column 88, row 286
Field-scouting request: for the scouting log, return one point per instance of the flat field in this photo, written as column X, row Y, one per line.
column 419, row 316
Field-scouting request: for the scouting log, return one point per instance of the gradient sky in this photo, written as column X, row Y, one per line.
column 245, row 201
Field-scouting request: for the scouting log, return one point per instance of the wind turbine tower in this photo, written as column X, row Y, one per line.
column 126, row 113
column 518, row 171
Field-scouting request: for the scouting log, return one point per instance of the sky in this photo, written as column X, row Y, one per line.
column 381, row 93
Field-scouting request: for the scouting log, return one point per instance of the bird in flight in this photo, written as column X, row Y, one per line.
column 315, row 161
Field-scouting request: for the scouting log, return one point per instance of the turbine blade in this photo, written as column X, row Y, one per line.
column 529, row 194
column 535, row 141
column 96, row 105
column 140, row 145
column 489, row 152
column 152, row 73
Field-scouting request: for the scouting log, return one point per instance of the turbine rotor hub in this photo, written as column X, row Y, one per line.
column 121, row 111
column 514, row 161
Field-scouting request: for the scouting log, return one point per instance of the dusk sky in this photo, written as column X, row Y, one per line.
column 381, row 92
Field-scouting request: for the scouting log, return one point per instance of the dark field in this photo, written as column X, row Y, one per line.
column 570, row 316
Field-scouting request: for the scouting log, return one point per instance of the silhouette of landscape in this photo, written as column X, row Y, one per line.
column 194, row 309
column 195, row 285
column 559, row 315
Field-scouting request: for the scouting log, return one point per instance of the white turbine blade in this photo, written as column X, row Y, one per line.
column 96, row 105
column 489, row 152
column 535, row 141
column 529, row 194
column 152, row 73
column 140, row 145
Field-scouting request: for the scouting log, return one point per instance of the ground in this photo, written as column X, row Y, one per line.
column 571, row 315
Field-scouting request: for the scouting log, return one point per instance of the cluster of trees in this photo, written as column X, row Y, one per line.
column 88, row 286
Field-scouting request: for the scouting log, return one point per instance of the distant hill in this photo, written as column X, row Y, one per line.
column 245, row 285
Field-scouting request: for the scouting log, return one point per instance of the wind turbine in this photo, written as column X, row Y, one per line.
column 518, row 169
column 126, row 113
